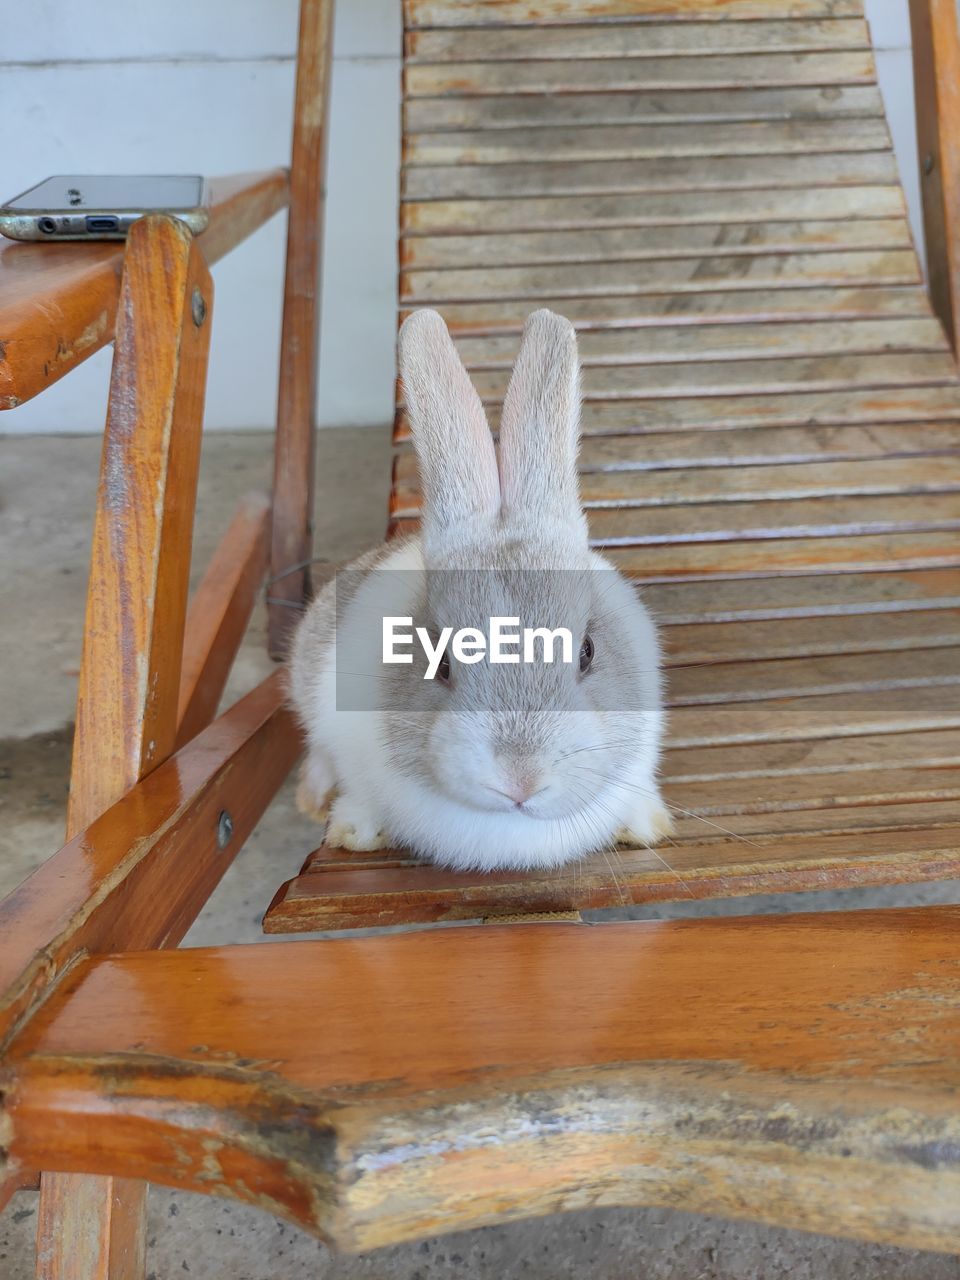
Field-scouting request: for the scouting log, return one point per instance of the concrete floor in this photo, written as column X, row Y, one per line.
column 46, row 493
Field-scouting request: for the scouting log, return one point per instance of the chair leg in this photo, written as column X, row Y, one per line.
column 296, row 407
column 92, row 1228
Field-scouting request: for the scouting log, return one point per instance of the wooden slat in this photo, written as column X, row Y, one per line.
column 612, row 455
column 632, row 244
column 771, row 760
column 219, row 613
column 806, row 799
column 718, row 305
column 643, row 141
column 679, row 344
column 133, row 639
column 679, row 604
column 294, row 444
column 870, row 823
column 567, row 75
column 804, row 637
column 461, row 182
column 825, row 716
column 498, row 13
column 623, row 490
column 829, row 535
column 936, row 73
column 718, row 413
column 130, row 672
column 759, row 680
column 805, row 518
column 570, row 213
column 677, row 275
column 668, row 106
column 345, row 899
column 765, row 556
column 628, row 40
column 736, row 377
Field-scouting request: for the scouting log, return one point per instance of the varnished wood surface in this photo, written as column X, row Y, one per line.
column 936, row 79
column 140, row 562
column 293, row 479
column 219, row 613
column 59, row 301
column 133, row 636
column 477, row 1075
column 139, row 874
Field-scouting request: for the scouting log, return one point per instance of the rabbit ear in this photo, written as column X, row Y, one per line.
column 458, row 463
column 540, row 424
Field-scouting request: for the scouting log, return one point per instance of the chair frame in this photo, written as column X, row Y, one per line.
column 163, row 796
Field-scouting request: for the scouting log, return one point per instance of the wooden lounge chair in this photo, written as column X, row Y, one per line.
column 707, row 189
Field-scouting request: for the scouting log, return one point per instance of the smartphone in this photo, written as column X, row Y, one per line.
column 85, row 207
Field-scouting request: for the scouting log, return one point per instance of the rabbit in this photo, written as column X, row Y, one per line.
column 486, row 766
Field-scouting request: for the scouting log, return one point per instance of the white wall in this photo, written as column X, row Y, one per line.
column 132, row 86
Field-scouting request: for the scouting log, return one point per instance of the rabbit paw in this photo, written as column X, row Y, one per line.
column 647, row 827
column 351, row 827
column 316, row 788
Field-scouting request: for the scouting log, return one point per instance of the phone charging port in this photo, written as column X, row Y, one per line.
column 97, row 226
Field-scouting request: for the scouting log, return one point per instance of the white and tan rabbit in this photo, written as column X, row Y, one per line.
column 485, row 766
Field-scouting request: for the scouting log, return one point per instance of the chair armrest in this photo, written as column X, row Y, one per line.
column 58, row 302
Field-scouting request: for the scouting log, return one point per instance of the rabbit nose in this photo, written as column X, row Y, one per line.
column 519, row 792
column 520, row 787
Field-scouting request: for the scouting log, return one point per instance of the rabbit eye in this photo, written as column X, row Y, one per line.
column 443, row 669
column 586, row 655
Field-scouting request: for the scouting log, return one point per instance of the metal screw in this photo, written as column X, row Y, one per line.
column 224, row 829
column 198, row 307
column 928, row 162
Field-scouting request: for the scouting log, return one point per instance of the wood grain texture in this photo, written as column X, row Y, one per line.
column 936, row 78
column 628, row 142
column 668, row 106
column 854, row 553
column 219, row 613
column 884, row 404
column 685, row 1084
column 660, row 175
column 800, row 596
column 653, row 243
column 675, row 344
column 633, row 40
column 136, row 604
column 856, row 633
column 139, row 874
column 841, row 856
column 735, row 377
column 618, row 75
column 719, row 305
column 497, row 13
column 293, row 478
column 95, row 1229
column 737, row 447
column 618, row 491
column 672, row 276
column 566, row 213
column 58, row 302
column 91, row 1228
